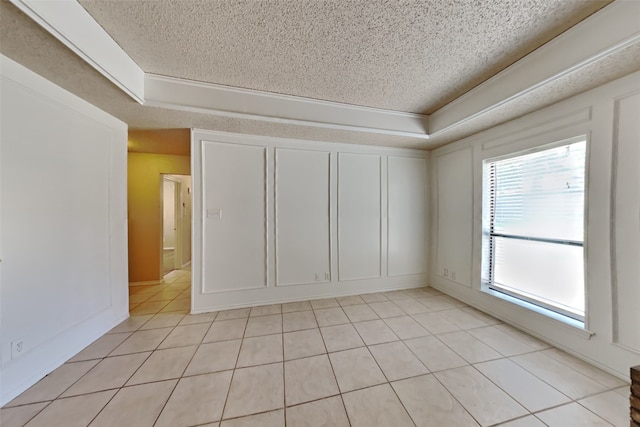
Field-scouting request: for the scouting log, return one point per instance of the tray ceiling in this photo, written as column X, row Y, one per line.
column 410, row 56
column 404, row 71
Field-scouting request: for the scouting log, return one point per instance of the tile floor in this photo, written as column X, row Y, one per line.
column 401, row 358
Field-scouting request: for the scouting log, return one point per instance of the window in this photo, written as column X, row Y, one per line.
column 533, row 222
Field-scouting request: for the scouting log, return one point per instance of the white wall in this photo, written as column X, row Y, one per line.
column 63, row 217
column 185, row 233
column 608, row 116
column 282, row 220
column 168, row 214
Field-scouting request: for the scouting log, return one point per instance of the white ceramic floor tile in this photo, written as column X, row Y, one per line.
column 464, row 320
column 397, row 295
column 470, row 348
column 611, row 406
column 434, row 354
column 439, row 303
column 435, row 323
column 256, row 389
column 598, row 375
column 264, row 325
column 185, row 335
column 260, row 350
column 223, row 330
column 73, row 411
column 324, row 303
column 291, row 307
column 487, row 403
column 375, row 297
column 624, row 391
column 308, row 379
column 111, row 372
column 214, row 357
column 18, row 416
column 163, row 320
column 328, row 412
column 530, row 391
column 387, row 309
column 303, row 344
column 239, row 313
column 481, row 316
column 196, row 400
column 138, row 405
column 430, row 405
column 405, row 327
column 54, row 384
column 522, row 336
column 502, row 342
column 298, row 321
column 411, row 306
column 375, row 332
column 163, row 365
column 356, row 369
column 331, row 316
column 350, row 300
column 131, row 324
column 558, row 375
column 101, row 347
column 528, row 421
column 359, row 313
column 376, row 406
column 341, row 337
column 191, row 319
column 265, row 310
column 571, row 415
column 397, row 361
column 267, row 419
column 142, row 341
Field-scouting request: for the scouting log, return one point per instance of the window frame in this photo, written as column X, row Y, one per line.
column 487, row 260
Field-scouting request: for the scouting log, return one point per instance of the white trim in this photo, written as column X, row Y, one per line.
column 219, row 100
column 604, row 33
column 70, row 23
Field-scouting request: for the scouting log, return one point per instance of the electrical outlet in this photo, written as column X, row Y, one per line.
column 317, row 276
column 446, row 272
column 17, row 348
column 327, row 276
column 453, row 275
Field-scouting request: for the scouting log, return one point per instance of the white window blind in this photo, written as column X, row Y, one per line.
column 534, row 227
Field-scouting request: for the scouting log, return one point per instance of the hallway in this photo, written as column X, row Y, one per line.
column 174, row 295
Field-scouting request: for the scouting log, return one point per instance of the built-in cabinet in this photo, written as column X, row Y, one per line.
column 282, row 220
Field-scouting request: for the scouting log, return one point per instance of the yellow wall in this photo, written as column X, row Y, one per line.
column 145, row 210
column 161, row 141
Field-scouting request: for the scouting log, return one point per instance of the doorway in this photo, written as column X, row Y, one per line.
column 176, row 222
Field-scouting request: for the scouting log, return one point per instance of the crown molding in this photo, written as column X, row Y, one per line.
column 604, row 33
column 208, row 98
column 71, row 24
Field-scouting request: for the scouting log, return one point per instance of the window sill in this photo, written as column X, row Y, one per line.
column 575, row 326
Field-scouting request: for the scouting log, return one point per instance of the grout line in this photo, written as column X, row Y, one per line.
column 335, row 378
column 284, row 380
column 226, row 399
column 327, row 354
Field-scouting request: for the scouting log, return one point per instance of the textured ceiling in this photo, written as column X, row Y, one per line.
column 27, row 43
column 412, row 56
